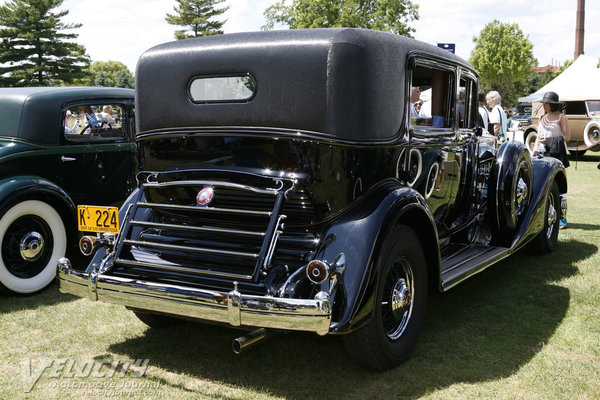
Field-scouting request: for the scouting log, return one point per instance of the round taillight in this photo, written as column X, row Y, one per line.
column 86, row 245
column 317, row 271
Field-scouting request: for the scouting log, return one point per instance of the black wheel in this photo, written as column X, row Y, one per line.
column 399, row 311
column 32, row 239
column 156, row 321
column 545, row 241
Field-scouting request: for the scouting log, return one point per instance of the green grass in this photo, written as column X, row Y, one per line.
column 528, row 328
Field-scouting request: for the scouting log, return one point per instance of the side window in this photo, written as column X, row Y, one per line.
column 433, row 106
column 576, row 108
column 94, row 122
column 467, row 103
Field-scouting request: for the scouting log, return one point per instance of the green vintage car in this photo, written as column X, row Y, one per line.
column 59, row 147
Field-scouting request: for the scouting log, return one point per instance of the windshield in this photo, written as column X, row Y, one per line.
column 593, row 107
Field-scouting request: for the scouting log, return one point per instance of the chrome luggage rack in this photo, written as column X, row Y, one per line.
column 235, row 239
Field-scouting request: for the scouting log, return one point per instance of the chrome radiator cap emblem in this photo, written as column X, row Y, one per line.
column 205, row 196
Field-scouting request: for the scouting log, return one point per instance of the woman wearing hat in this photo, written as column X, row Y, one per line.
column 553, row 132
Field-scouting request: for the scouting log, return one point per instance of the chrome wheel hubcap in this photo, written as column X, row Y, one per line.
column 552, row 216
column 401, row 298
column 31, row 246
column 398, row 299
column 522, row 193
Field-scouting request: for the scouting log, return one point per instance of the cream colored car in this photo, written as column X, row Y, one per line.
column 584, row 123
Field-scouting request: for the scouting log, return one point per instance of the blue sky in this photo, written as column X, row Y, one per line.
column 123, row 29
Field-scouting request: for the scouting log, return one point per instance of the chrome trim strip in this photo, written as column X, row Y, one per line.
column 215, row 183
column 184, row 270
column 188, row 248
column 194, row 208
column 313, row 315
column 196, row 228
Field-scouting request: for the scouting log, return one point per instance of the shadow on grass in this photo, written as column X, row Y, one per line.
column 486, row 328
column 588, row 156
column 584, row 227
column 46, row 297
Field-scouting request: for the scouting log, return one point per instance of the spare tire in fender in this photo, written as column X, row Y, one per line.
column 510, row 186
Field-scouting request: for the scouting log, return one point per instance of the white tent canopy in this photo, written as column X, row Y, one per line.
column 581, row 81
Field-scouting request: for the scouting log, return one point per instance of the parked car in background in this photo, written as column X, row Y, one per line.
column 584, row 123
column 287, row 185
column 521, row 117
column 57, row 149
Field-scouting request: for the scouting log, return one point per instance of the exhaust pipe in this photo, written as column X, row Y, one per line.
column 243, row 342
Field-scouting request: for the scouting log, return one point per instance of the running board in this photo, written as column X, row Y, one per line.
column 468, row 260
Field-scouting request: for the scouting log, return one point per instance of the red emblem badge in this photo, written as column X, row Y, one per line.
column 205, row 196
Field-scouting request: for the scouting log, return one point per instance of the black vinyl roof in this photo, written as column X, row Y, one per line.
column 35, row 113
column 343, row 83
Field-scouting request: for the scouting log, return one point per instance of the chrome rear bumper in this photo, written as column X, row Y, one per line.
column 231, row 307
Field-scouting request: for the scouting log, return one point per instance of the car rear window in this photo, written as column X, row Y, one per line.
column 222, row 89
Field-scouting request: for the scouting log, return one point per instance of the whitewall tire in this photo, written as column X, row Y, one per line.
column 32, row 239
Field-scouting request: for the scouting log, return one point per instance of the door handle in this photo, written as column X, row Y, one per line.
column 65, row 158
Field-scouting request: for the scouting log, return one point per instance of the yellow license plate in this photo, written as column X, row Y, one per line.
column 98, row 219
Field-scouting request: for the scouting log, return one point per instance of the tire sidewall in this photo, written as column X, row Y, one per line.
column 586, row 133
column 530, row 139
column 550, row 243
column 402, row 243
column 59, row 240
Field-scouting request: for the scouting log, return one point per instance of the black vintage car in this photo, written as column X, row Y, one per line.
column 57, row 149
column 288, row 185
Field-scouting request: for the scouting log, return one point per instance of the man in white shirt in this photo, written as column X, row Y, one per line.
column 497, row 115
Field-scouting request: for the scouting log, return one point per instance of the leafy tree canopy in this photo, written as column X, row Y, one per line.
column 503, row 57
column 101, row 80
column 197, row 17
column 111, row 75
column 383, row 15
column 125, row 80
column 35, row 50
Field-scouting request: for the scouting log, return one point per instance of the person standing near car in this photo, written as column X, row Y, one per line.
column 484, row 115
column 553, row 133
column 497, row 115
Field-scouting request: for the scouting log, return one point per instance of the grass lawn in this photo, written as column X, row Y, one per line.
column 529, row 327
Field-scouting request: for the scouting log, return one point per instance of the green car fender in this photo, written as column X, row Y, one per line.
column 28, row 187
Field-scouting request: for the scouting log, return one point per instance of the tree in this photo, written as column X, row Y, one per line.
column 503, row 57
column 197, row 16
column 101, row 80
column 125, row 80
column 111, row 70
column 34, row 49
column 383, row 15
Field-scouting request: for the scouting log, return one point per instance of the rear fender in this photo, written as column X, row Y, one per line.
column 360, row 235
column 545, row 171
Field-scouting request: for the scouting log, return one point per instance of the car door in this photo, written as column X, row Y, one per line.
column 69, row 160
column 433, row 161
column 108, row 160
